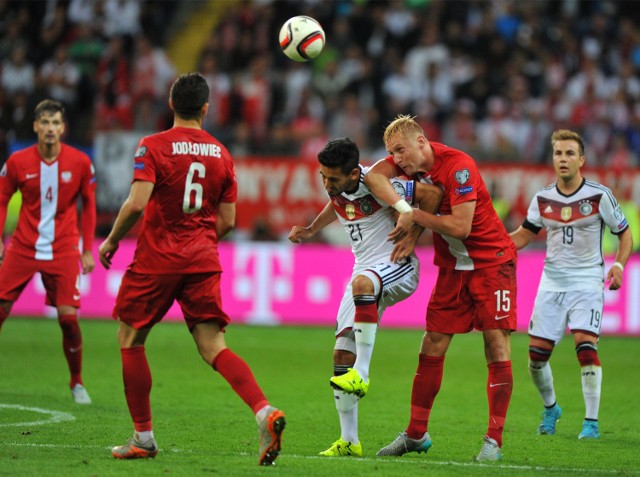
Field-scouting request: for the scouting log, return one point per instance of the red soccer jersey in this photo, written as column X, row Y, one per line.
column 48, row 222
column 192, row 173
column 488, row 243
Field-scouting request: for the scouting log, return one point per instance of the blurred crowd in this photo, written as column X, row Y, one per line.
column 103, row 59
column 492, row 77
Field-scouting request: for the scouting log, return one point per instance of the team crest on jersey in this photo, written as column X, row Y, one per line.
column 462, row 176
column 350, row 210
column 142, row 150
column 586, row 208
column 3, row 172
column 365, row 207
column 65, row 176
column 565, row 213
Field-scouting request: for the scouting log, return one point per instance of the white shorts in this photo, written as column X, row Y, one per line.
column 553, row 312
column 393, row 282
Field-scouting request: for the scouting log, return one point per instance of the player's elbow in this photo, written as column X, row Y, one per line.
column 462, row 233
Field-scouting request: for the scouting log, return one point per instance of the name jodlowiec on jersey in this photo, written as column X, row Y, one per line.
column 195, row 173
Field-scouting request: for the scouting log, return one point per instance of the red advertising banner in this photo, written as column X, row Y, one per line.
column 289, row 192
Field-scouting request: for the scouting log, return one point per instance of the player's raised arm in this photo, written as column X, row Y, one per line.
column 428, row 198
column 377, row 180
column 324, row 218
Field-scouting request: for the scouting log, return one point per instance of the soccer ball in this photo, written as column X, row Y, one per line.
column 301, row 38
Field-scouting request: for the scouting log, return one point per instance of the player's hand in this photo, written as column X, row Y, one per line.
column 404, row 223
column 298, row 234
column 614, row 278
column 106, row 252
column 403, row 248
column 88, row 263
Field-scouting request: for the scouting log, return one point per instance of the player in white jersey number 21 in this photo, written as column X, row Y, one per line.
column 574, row 212
column 384, row 273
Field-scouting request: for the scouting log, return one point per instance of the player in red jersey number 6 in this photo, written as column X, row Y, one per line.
column 184, row 181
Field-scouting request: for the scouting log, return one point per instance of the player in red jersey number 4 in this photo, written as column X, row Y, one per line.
column 184, row 181
column 51, row 177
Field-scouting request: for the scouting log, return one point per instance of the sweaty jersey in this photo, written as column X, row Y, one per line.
column 192, row 173
column 488, row 243
column 48, row 223
column 575, row 225
column 368, row 221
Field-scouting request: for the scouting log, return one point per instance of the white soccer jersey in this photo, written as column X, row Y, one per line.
column 368, row 221
column 575, row 225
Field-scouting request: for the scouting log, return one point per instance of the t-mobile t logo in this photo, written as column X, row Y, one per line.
column 263, row 276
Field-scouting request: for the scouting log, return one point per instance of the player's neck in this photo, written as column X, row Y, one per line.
column 569, row 186
column 49, row 152
column 187, row 123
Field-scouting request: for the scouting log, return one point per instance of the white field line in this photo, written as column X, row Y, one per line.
column 378, row 461
column 55, row 416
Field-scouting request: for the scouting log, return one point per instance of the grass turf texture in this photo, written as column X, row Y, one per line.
column 203, row 428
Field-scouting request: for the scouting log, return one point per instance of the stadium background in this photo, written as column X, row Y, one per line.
column 493, row 78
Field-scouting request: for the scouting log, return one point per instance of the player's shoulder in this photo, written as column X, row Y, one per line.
column 596, row 186
column 75, row 153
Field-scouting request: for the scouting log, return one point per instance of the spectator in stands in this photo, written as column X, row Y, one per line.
column 152, row 75
column 60, row 77
column 113, row 102
column 17, row 73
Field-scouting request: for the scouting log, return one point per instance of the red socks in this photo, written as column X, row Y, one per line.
column 72, row 346
column 239, row 376
column 499, row 388
column 426, row 385
column 137, row 386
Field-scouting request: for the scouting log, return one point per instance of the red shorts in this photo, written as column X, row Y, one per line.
column 60, row 277
column 144, row 299
column 483, row 299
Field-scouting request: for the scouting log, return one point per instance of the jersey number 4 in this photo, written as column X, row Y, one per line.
column 194, row 188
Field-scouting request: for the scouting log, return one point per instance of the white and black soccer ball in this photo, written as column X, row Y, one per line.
column 302, row 38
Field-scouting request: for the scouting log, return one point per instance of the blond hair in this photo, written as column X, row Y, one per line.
column 567, row 135
column 403, row 125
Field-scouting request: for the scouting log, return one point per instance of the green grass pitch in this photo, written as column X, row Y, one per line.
column 203, row 428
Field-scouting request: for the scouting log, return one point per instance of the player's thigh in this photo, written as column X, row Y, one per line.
column 493, row 291
column 585, row 311
column 550, row 316
column 201, row 299
column 450, row 308
column 15, row 273
column 61, row 280
column 144, row 299
column 398, row 281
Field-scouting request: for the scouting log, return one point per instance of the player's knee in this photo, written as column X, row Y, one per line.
column 362, row 285
column 587, row 352
column 538, row 357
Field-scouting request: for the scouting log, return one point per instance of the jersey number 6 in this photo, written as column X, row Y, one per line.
column 198, row 169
